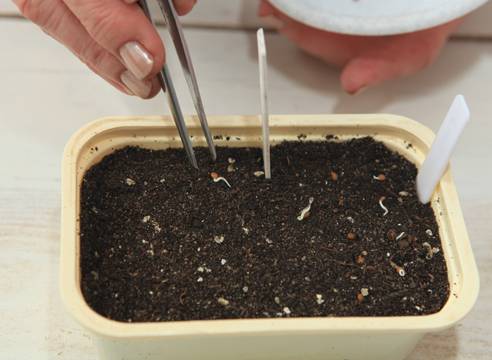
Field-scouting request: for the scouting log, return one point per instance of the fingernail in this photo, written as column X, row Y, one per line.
column 137, row 59
column 361, row 90
column 139, row 87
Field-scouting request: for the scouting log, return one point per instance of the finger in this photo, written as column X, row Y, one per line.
column 183, row 7
column 124, row 31
column 396, row 56
column 59, row 22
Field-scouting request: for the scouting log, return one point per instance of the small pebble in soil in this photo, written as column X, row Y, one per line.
column 391, row 234
column 258, row 173
column 130, row 182
column 364, row 292
column 351, row 236
column 333, row 176
column 223, row 261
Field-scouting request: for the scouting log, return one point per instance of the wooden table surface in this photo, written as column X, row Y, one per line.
column 46, row 94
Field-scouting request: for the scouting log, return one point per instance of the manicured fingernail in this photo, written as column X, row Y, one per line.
column 139, row 87
column 137, row 59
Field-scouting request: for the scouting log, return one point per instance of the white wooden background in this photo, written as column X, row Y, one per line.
column 46, row 94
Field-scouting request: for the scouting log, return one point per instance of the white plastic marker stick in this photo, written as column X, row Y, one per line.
column 262, row 62
column 440, row 152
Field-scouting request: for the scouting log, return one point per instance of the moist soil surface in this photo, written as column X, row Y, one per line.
column 161, row 241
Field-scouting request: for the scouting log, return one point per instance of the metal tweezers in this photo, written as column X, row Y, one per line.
column 174, row 27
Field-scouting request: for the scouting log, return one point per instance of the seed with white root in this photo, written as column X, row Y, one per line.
column 286, row 310
column 259, row 173
column 364, row 292
column 402, row 234
column 245, row 289
column 319, row 299
column 400, row 270
column 219, row 239
column 403, row 193
column 200, row 279
column 130, row 182
column 146, row 218
column 306, row 210
column 231, row 161
column 217, row 178
column 386, row 211
column 429, row 232
column 222, row 301
column 431, row 251
column 200, row 269
column 246, row 230
column 223, row 261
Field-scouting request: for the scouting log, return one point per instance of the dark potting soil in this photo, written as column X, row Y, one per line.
column 160, row 241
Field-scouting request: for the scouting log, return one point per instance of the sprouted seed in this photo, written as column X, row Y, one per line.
column 402, row 234
column 319, row 299
column 130, row 182
column 386, row 211
column 231, row 161
column 219, row 239
column 364, row 292
column 403, row 193
column 259, row 173
column 217, row 178
column 429, row 232
column 380, row 177
column 222, row 301
column 286, row 310
column 400, row 270
column 431, row 251
column 306, row 210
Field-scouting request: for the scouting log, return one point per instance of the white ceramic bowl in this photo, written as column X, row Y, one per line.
column 375, row 17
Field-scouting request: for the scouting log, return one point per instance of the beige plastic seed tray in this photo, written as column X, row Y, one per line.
column 367, row 338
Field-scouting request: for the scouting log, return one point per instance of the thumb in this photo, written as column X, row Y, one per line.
column 362, row 72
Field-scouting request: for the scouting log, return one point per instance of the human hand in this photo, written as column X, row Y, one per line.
column 112, row 37
column 365, row 60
